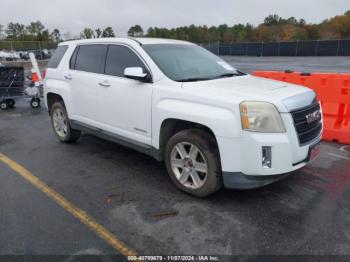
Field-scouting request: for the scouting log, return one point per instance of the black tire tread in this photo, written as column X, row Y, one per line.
column 207, row 144
column 72, row 134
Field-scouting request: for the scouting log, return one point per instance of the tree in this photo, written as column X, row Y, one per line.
column 313, row 32
column 1, row 31
column 108, row 32
column 98, row 32
column 35, row 28
column 300, row 34
column 56, row 35
column 272, row 20
column 249, row 33
column 135, row 31
column 44, row 36
column 292, row 21
column 150, row 32
column 302, row 22
column 87, row 33
column 239, row 34
column 341, row 25
column 273, row 29
column 15, row 30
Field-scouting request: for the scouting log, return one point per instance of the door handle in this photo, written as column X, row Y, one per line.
column 68, row 77
column 104, row 84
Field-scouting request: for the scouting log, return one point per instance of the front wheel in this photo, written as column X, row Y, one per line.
column 193, row 163
column 60, row 124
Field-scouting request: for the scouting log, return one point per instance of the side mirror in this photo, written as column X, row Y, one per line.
column 136, row 73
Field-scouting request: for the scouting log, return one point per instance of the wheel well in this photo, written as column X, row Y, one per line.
column 53, row 98
column 170, row 127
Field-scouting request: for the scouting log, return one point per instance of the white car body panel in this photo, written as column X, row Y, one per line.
column 136, row 110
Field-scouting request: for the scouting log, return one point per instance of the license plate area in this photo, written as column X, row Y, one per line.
column 314, row 151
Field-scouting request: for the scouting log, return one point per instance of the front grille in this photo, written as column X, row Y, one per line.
column 306, row 132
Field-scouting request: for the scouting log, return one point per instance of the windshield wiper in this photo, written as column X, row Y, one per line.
column 193, row 79
column 228, row 75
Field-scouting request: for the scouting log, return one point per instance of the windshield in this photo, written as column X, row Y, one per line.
column 185, row 62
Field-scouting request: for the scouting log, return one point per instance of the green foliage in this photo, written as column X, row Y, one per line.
column 98, row 32
column 108, row 32
column 87, row 33
column 272, row 20
column 1, row 30
column 135, row 31
column 35, row 28
column 16, row 30
column 56, row 35
column 35, row 31
column 273, row 29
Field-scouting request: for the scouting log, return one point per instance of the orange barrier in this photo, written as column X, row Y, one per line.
column 333, row 90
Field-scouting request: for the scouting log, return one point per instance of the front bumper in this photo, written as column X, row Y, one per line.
column 243, row 169
column 241, row 181
column 238, row 180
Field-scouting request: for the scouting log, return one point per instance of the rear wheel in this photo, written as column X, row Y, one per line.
column 192, row 161
column 60, row 124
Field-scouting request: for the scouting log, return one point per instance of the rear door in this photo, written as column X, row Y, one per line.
column 85, row 74
column 125, row 104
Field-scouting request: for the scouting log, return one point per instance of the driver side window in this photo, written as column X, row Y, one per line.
column 120, row 57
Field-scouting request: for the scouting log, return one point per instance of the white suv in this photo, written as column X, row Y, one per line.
column 175, row 101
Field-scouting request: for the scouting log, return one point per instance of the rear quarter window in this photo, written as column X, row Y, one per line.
column 57, row 56
column 73, row 58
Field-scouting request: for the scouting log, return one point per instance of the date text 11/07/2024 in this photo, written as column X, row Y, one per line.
column 173, row 258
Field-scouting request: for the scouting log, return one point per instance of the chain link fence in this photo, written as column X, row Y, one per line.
column 16, row 53
column 298, row 48
column 17, row 46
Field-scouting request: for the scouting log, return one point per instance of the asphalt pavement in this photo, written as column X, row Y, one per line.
column 248, row 64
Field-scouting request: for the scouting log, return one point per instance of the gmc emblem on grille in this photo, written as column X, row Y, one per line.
column 313, row 117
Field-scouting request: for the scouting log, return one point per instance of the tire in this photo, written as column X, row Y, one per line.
column 3, row 105
column 35, row 103
column 61, row 126
column 11, row 102
column 192, row 166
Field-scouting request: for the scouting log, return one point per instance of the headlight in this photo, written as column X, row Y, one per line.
column 261, row 117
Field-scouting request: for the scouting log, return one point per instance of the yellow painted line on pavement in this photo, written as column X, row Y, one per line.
column 98, row 229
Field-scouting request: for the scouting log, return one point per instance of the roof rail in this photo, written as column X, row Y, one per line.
column 137, row 41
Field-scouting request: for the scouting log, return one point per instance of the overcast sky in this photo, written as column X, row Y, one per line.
column 74, row 15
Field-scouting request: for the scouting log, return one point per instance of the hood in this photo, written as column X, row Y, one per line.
column 285, row 96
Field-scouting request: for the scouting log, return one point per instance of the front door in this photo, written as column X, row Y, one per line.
column 125, row 104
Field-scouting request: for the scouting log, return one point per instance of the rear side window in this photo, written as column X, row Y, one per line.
column 91, row 58
column 57, row 56
column 73, row 58
column 118, row 58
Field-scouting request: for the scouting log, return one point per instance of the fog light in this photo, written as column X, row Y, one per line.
column 266, row 157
